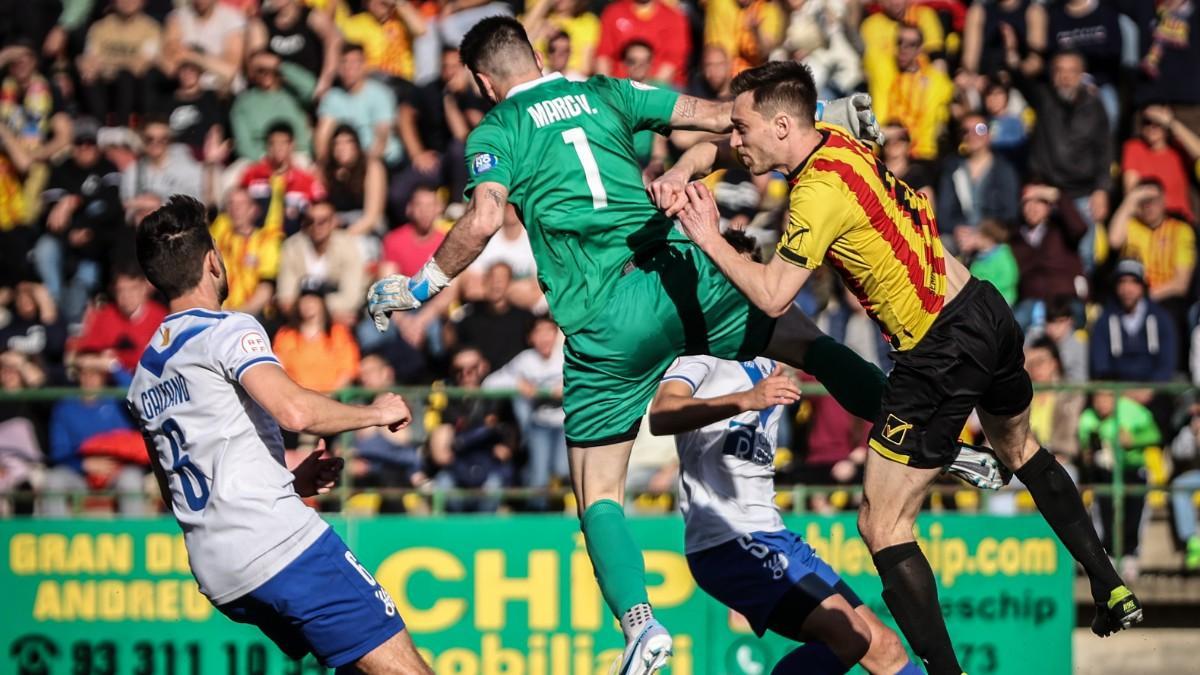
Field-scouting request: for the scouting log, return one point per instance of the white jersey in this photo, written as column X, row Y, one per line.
column 242, row 521
column 726, row 469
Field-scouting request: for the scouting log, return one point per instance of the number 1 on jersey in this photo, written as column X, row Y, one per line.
column 591, row 172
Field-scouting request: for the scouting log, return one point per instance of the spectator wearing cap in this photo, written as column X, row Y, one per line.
column 284, row 192
column 276, row 97
column 363, row 103
column 299, row 35
column 1045, row 245
column 119, row 50
column 909, row 90
column 251, row 253
column 209, row 35
column 1135, row 339
column 1071, row 147
column 1142, row 230
column 82, row 202
column 386, row 31
column 316, row 352
column 977, row 184
column 1158, row 152
column 651, row 21
column 75, row 421
column 434, row 120
column 323, row 252
column 162, row 169
column 123, row 326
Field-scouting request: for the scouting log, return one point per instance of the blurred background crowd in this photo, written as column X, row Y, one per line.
column 1059, row 141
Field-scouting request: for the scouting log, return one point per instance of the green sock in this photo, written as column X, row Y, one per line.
column 617, row 560
column 856, row 384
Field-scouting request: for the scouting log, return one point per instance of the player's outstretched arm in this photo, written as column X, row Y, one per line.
column 464, row 243
column 771, row 287
column 697, row 114
column 303, row 410
column 676, row 409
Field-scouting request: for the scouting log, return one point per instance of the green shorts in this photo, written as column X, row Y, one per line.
column 676, row 302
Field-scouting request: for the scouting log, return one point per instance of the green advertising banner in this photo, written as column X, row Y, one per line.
column 500, row 596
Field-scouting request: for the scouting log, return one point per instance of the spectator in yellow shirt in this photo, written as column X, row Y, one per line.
column 1166, row 246
column 908, row 90
column 386, row 31
column 251, row 254
column 748, row 30
column 547, row 18
column 880, row 32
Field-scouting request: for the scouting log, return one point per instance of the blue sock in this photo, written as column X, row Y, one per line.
column 910, row 668
column 814, row 658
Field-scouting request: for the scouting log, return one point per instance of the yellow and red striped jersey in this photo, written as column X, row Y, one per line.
column 876, row 231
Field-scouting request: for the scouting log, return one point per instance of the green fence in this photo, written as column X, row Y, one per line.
column 492, row 596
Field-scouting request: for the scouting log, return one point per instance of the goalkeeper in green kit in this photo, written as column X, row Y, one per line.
column 630, row 291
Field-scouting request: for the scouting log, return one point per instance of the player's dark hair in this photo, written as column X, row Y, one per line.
column 172, row 243
column 498, row 47
column 780, row 85
column 743, row 243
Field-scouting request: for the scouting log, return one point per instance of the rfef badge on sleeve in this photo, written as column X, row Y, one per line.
column 483, row 163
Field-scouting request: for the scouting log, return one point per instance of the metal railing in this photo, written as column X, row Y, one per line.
column 437, row 499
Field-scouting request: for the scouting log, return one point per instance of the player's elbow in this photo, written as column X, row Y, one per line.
column 293, row 416
column 776, row 307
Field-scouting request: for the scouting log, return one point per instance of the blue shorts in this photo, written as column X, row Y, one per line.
column 323, row 602
column 755, row 572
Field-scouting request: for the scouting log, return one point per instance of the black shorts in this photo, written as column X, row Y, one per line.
column 972, row 356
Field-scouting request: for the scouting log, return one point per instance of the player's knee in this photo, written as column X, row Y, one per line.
column 886, row 648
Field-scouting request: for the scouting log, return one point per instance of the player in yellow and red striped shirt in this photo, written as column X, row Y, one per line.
column 957, row 344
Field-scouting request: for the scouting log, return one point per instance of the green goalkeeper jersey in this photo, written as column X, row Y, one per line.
column 565, row 152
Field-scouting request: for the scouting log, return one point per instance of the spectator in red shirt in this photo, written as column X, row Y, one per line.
column 124, row 325
column 283, row 191
column 653, row 22
column 1151, row 155
column 408, row 247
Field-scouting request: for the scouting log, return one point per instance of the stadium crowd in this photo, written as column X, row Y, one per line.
column 1059, row 141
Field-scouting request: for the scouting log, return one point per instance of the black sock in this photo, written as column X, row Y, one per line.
column 911, row 594
column 1058, row 499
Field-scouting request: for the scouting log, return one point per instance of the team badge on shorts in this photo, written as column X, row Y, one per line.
column 895, row 429
column 482, row 163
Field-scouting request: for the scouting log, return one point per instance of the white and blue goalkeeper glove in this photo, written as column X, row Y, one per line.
column 854, row 114
column 398, row 293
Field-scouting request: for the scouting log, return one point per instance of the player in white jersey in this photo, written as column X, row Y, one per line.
column 210, row 397
column 725, row 417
